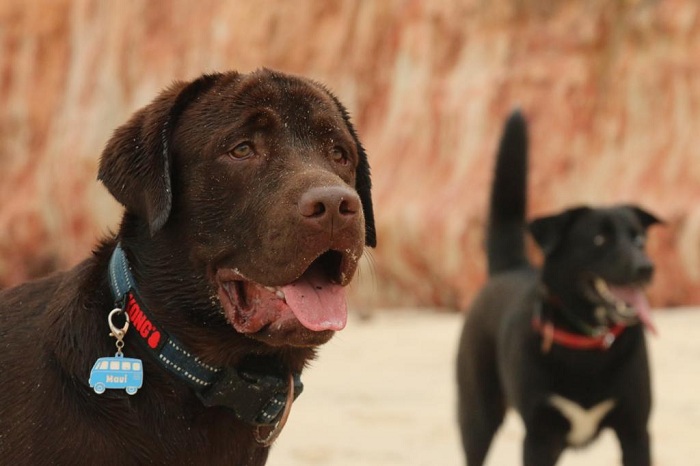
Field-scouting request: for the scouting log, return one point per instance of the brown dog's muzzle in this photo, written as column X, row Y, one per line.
column 329, row 209
column 323, row 242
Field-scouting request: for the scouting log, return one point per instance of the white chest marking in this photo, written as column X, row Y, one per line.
column 584, row 422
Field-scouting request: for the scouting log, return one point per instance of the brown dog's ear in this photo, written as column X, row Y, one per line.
column 548, row 231
column 363, row 181
column 363, row 184
column 647, row 219
column 135, row 164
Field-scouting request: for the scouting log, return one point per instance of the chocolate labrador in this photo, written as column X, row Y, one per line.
column 181, row 340
column 563, row 345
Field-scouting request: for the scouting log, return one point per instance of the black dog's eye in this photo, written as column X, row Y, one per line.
column 242, row 151
column 339, row 155
column 599, row 239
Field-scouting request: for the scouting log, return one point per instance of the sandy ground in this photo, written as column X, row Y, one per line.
column 382, row 393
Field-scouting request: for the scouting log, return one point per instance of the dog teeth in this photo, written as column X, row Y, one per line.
column 626, row 311
column 602, row 289
column 273, row 289
column 620, row 306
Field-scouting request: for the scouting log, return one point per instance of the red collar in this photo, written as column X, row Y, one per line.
column 551, row 334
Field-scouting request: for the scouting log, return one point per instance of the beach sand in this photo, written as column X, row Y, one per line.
column 382, row 393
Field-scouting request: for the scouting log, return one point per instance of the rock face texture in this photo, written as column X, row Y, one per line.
column 611, row 91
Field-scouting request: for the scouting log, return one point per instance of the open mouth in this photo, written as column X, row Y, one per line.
column 625, row 304
column 316, row 299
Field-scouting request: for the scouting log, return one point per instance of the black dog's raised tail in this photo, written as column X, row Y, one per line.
column 506, row 226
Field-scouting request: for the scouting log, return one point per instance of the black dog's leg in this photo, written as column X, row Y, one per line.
column 478, row 432
column 635, row 446
column 542, row 451
column 630, row 418
column 545, row 439
column 481, row 412
column 481, row 402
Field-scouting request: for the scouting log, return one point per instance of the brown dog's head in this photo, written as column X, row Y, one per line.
column 264, row 184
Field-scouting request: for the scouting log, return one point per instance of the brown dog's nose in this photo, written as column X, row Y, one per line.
column 329, row 208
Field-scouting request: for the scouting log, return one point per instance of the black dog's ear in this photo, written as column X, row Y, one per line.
column 548, row 231
column 646, row 218
column 135, row 164
column 363, row 181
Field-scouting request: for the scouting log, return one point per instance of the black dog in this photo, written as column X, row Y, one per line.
column 247, row 209
column 564, row 345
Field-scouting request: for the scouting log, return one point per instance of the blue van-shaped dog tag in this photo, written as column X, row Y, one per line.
column 117, row 372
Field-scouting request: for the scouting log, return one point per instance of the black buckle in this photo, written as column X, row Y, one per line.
column 256, row 399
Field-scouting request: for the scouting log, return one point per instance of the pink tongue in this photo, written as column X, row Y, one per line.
column 636, row 298
column 317, row 303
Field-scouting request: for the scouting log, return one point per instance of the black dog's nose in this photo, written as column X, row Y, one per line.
column 645, row 271
column 329, row 208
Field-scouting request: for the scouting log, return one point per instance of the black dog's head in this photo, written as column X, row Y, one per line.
column 261, row 181
column 598, row 256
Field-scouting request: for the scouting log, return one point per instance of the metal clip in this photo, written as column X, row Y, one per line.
column 608, row 340
column 118, row 333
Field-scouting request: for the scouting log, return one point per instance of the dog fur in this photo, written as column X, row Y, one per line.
column 592, row 278
column 232, row 184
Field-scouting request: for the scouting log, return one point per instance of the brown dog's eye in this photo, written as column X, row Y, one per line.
column 241, row 151
column 339, row 156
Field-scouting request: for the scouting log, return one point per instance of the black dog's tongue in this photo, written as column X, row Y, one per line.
column 634, row 297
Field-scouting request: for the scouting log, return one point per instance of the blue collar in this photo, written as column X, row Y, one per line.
column 256, row 399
